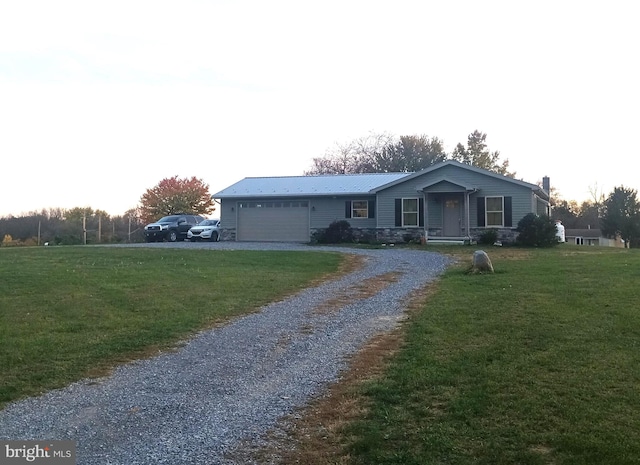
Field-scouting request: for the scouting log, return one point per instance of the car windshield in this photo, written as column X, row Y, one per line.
column 208, row 223
column 169, row 219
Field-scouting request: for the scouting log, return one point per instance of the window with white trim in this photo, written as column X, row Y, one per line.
column 494, row 211
column 360, row 209
column 410, row 212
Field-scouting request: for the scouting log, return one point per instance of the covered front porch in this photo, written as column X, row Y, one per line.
column 447, row 211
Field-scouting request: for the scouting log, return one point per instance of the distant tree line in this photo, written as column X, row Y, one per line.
column 577, row 216
column 616, row 215
column 70, row 227
column 57, row 226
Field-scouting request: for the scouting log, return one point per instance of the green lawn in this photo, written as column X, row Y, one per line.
column 71, row 312
column 538, row 363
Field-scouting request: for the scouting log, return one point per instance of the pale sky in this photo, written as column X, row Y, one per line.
column 99, row 101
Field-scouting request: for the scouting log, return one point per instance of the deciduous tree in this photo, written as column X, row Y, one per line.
column 381, row 153
column 77, row 213
column 409, row 154
column 589, row 215
column 567, row 212
column 176, row 195
column 622, row 215
column 351, row 157
column 476, row 154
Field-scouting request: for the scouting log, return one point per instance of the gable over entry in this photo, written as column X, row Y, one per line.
column 448, row 200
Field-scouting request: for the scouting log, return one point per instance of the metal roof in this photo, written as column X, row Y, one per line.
column 287, row 186
column 346, row 184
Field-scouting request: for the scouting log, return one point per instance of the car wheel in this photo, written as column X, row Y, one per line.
column 173, row 236
column 215, row 237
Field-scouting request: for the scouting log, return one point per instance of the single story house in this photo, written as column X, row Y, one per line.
column 591, row 236
column 449, row 200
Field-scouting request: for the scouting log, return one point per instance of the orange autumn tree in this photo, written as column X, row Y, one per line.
column 175, row 195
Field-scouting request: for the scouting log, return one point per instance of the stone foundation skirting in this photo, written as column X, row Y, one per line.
column 396, row 235
column 505, row 235
column 227, row 234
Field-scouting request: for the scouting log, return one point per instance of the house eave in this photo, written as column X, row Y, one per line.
column 458, row 164
column 542, row 194
column 280, row 195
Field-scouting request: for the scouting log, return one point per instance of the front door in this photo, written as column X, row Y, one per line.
column 452, row 216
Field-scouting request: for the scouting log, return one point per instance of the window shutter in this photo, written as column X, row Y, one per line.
column 508, row 218
column 372, row 208
column 421, row 212
column 480, row 211
column 398, row 212
column 347, row 209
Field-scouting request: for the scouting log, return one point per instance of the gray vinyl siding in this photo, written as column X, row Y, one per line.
column 434, row 211
column 541, row 207
column 387, row 205
column 227, row 216
column 325, row 210
column 520, row 202
column 413, row 189
column 445, row 186
column 485, row 185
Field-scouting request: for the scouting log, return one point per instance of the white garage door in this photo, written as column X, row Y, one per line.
column 273, row 221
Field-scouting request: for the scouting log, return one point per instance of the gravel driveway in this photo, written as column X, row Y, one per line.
column 229, row 384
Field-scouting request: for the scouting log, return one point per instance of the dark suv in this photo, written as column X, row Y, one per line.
column 171, row 228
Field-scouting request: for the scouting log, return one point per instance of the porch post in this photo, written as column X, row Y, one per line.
column 466, row 214
column 425, row 197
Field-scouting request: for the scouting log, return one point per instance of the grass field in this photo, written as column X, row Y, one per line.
column 538, row 363
column 71, row 312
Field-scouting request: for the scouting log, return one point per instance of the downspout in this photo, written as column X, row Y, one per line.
column 236, row 215
column 377, row 213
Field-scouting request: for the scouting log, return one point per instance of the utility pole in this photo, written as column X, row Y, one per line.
column 84, row 229
column 39, row 221
column 99, row 229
